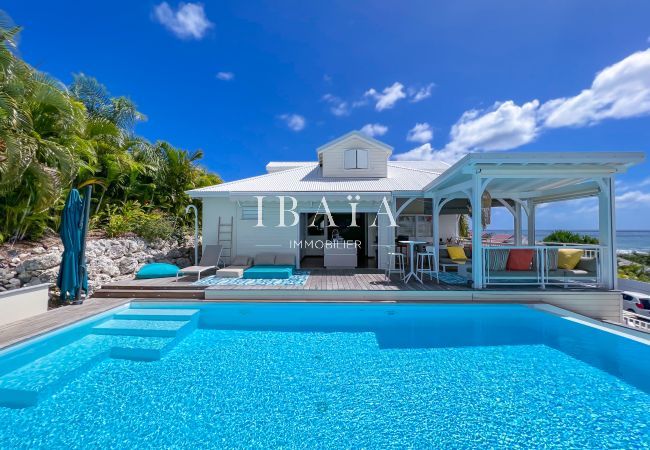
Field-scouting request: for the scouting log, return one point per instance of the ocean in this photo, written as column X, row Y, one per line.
column 626, row 240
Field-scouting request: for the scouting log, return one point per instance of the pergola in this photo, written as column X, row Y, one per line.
column 521, row 182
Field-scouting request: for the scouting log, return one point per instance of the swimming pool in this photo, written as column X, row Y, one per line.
column 316, row 375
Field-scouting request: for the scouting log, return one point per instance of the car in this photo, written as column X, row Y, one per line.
column 637, row 303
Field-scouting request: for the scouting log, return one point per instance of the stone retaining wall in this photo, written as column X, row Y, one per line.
column 108, row 260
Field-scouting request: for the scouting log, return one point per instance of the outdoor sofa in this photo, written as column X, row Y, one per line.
column 271, row 265
column 236, row 268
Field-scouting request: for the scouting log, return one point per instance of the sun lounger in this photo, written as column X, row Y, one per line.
column 209, row 260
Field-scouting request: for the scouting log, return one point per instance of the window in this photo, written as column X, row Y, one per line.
column 356, row 159
column 249, row 212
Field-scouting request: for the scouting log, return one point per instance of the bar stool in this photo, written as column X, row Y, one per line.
column 427, row 258
column 395, row 264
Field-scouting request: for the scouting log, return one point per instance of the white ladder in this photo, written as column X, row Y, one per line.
column 224, row 238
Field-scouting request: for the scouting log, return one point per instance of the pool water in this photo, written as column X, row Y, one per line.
column 357, row 376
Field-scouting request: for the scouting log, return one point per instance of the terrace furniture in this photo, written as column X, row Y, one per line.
column 427, row 258
column 236, row 269
column 339, row 255
column 446, row 259
column 461, row 267
column 271, row 266
column 395, row 264
column 411, row 272
column 573, row 267
column 209, row 260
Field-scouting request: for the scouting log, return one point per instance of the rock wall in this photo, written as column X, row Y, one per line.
column 108, row 260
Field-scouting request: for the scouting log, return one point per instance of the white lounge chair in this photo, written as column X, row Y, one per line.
column 210, row 259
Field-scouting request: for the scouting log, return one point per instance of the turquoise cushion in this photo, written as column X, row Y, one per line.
column 268, row 272
column 157, row 270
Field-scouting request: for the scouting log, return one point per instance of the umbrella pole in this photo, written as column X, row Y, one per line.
column 82, row 252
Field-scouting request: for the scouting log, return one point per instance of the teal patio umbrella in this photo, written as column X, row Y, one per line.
column 72, row 274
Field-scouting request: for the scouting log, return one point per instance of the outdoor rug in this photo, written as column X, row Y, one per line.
column 452, row 278
column 299, row 278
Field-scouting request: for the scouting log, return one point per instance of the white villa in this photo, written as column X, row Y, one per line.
column 425, row 198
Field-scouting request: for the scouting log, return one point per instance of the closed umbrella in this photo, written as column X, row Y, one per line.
column 70, row 279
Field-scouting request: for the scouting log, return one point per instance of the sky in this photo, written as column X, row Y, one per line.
column 255, row 81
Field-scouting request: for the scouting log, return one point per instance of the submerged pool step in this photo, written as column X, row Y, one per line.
column 30, row 383
column 134, row 334
column 130, row 327
column 157, row 314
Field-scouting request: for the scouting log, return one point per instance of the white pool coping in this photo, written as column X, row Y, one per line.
column 618, row 330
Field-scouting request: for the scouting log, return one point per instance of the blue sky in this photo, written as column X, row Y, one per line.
column 255, row 81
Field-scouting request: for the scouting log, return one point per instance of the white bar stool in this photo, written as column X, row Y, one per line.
column 429, row 259
column 395, row 264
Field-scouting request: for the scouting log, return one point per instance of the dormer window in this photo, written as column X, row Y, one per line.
column 356, row 159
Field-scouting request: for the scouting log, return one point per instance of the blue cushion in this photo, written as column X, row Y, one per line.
column 269, row 272
column 157, row 270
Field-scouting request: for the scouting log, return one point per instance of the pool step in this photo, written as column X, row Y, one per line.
column 157, row 314
column 134, row 334
column 156, row 328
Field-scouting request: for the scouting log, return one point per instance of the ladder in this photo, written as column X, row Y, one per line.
column 224, row 238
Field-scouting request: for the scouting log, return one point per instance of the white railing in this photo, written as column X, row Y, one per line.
column 637, row 321
column 540, row 273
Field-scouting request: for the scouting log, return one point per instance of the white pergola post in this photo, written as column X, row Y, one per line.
column 477, row 232
column 531, row 222
column 435, row 223
column 607, row 232
column 517, row 223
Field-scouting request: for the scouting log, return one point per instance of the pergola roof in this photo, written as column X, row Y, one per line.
column 542, row 177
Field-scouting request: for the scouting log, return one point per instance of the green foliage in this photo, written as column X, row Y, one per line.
column 639, row 269
column 634, row 272
column 463, row 226
column 570, row 237
column 53, row 138
column 133, row 219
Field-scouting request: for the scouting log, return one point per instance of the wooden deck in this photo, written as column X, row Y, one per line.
column 319, row 280
column 54, row 319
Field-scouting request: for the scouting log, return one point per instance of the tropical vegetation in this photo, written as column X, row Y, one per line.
column 55, row 137
column 570, row 237
column 635, row 266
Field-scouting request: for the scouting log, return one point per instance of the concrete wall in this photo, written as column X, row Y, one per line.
column 23, row 303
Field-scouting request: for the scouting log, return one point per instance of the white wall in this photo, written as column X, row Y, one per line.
column 18, row 304
column 333, row 159
column 448, row 226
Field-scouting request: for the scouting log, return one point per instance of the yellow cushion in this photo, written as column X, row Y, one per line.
column 568, row 258
column 458, row 253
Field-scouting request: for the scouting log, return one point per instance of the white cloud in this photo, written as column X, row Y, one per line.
column 225, row 76
column 387, row 98
column 417, row 95
column 424, row 152
column 338, row 107
column 295, row 122
column 633, row 199
column 619, row 91
column 187, row 22
column 374, row 129
column 645, row 182
column 421, row 133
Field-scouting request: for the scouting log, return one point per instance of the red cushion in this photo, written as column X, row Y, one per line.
column 520, row 259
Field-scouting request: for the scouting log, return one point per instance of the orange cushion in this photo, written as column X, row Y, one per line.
column 520, row 259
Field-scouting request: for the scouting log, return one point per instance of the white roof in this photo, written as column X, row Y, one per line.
column 307, row 177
